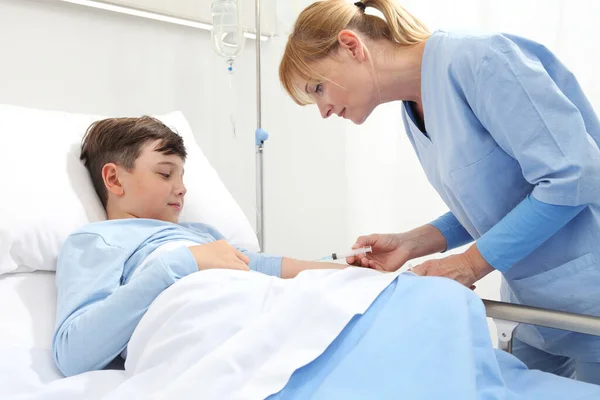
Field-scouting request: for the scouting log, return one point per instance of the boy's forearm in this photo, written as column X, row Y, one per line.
column 291, row 267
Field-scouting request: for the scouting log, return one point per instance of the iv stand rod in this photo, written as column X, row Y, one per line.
column 259, row 144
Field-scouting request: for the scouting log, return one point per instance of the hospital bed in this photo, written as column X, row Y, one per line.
column 47, row 196
column 508, row 316
column 31, row 234
column 27, row 320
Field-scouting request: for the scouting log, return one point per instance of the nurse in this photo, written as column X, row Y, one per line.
column 505, row 135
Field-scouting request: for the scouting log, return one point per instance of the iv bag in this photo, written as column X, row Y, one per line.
column 227, row 34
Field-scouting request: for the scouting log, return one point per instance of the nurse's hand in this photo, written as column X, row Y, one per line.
column 390, row 252
column 466, row 268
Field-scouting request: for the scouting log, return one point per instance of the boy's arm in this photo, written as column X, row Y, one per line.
column 96, row 316
column 281, row 267
column 291, row 267
column 284, row 267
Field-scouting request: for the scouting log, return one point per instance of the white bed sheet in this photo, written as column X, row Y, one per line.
column 27, row 309
column 27, row 313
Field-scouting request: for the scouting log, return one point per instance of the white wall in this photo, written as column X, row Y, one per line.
column 306, row 199
column 67, row 57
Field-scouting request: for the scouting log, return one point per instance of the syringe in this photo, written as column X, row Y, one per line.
column 349, row 253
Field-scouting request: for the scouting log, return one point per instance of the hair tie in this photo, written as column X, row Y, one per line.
column 361, row 5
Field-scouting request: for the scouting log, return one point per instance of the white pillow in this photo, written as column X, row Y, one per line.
column 47, row 192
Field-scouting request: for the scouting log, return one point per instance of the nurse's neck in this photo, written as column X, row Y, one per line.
column 398, row 71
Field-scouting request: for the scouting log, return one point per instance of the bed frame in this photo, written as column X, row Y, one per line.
column 508, row 316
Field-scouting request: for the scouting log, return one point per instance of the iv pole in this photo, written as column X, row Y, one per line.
column 260, row 137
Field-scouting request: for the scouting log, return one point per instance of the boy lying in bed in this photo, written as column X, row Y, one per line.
column 104, row 285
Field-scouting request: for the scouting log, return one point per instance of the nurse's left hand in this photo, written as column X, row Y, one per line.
column 466, row 268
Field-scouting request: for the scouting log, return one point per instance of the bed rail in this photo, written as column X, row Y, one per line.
column 507, row 316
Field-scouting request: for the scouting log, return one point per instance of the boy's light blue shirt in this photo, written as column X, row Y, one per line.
column 99, row 305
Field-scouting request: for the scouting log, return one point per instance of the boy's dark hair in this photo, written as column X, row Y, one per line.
column 120, row 141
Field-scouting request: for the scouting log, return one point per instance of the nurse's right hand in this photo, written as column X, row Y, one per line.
column 390, row 252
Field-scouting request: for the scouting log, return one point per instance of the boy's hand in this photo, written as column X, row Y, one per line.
column 220, row 255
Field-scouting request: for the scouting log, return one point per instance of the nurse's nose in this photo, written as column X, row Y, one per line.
column 326, row 110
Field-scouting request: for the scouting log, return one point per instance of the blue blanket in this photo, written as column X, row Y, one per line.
column 424, row 338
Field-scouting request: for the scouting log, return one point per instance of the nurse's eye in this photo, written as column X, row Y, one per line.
column 319, row 88
column 166, row 176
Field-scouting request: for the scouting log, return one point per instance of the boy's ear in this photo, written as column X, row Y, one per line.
column 110, row 176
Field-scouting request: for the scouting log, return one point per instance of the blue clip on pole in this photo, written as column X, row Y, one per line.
column 261, row 136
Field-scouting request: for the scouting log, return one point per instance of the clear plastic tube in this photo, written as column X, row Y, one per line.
column 232, row 105
column 228, row 42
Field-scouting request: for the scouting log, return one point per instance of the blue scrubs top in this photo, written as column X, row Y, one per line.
column 506, row 122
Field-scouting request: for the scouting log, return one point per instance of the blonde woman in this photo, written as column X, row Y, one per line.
column 504, row 134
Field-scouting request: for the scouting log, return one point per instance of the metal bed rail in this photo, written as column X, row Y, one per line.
column 508, row 316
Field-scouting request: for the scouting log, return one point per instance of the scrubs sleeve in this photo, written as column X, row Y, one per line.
column 454, row 233
column 532, row 120
column 523, row 230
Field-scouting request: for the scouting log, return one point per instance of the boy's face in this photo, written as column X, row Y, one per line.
column 153, row 188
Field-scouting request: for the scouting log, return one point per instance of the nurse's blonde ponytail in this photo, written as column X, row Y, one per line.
column 402, row 26
column 315, row 35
